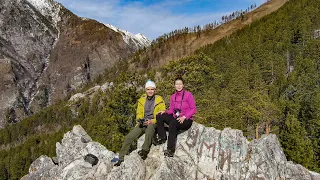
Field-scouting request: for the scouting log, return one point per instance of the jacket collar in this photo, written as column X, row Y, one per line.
column 180, row 92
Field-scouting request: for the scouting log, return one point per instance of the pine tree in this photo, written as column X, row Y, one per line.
column 296, row 145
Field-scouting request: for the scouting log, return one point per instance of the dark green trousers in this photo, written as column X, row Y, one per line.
column 133, row 135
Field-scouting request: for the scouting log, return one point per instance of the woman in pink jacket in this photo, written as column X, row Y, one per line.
column 179, row 116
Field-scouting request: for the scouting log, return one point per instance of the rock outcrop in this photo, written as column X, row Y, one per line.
column 202, row 153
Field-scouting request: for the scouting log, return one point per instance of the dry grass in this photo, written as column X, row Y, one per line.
column 232, row 26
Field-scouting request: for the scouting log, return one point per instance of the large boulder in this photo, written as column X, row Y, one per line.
column 201, row 153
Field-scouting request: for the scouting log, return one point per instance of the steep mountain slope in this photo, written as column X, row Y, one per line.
column 46, row 52
column 185, row 44
column 27, row 38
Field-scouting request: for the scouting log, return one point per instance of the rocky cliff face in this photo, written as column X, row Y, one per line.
column 202, row 153
column 26, row 40
column 46, row 51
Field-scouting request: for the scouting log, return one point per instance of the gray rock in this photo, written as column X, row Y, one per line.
column 78, row 169
column 55, row 160
column 71, row 153
column 77, row 96
column 207, row 153
column 43, row 162
column 72, row 147
column 132, row 168
column 42, row 168
column 201, row 153
column 106, row 86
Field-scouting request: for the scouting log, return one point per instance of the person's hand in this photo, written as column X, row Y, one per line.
column 161, row 112
column 181, row 119
column 148, row 122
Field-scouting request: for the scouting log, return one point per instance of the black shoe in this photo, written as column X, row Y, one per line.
column 143, row 154
column 118, row 163
column 160, row 141
column 169, row 153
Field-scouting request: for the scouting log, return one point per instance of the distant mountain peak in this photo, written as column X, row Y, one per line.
column 138, row 40
column 50, row 9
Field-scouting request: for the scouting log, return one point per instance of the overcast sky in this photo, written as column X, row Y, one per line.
column 155, row 17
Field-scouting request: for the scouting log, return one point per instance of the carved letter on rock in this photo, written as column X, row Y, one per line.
column 193, row 135
column 225, row 156
column 213, row 146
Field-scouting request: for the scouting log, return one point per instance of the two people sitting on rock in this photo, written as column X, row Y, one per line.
column 152, row 114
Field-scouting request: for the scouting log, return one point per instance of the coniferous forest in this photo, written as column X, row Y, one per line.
column 265, row 78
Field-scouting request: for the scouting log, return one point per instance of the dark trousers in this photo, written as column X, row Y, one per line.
column 174, row 126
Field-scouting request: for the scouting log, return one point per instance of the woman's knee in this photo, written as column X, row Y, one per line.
column 173, row 125
column 159, row 117
column 188, row 125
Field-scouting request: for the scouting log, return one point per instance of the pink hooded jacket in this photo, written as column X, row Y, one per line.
column 188, row 106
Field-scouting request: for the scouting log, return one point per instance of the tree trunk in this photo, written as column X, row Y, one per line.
column 267, row 128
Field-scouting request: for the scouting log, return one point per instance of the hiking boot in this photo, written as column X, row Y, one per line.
column 169, row 153
column 160, row 141
column 143, row 154
column 118, row 163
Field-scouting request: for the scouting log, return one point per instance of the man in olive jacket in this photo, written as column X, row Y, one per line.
column 149, row 105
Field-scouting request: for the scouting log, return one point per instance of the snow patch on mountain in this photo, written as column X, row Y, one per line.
column 48, row 8
column 143, row 39
column 139, row 40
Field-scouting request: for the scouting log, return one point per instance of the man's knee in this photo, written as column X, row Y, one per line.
column 132, row 135
column 129, row 137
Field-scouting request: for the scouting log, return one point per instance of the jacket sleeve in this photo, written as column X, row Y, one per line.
column 192, row 105
column 162, row 106
column 159, row 107
column 140, row 114
column 171, row 110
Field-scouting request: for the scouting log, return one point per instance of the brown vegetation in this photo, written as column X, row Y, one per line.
column 183, row 45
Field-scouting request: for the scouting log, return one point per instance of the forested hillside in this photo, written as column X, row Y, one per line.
column 183, row 42
column 263, row 78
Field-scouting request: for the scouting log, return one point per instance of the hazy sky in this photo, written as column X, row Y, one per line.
column 155, row 17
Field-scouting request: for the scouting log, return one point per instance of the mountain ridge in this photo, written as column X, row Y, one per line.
column 180, row 46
